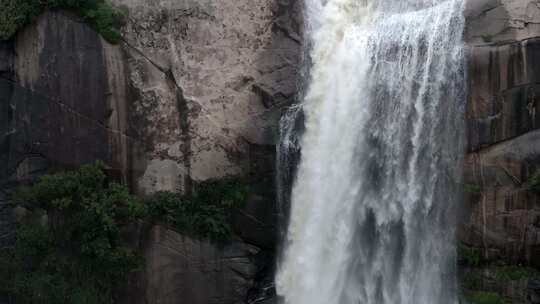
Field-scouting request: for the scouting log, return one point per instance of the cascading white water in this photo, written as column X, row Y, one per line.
column 371, row 219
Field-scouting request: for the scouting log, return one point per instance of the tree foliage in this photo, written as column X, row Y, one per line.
column 205, row 214
column 15, row 14
column 68, row 249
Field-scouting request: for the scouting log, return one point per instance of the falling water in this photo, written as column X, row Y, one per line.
column 372, row 219
column 288, row 154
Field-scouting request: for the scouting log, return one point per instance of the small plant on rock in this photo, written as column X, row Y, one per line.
column 471, row 280
column 513, row 273
column 534, row 182
column 469, row 256
column 472, row 189
column 482, row 297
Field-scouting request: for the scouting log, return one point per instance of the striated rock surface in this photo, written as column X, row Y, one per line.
column 501, row 215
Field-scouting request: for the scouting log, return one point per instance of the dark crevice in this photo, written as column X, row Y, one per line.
column 157, row 66
column 287, row 33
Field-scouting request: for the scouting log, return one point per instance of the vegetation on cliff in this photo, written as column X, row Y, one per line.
column 482, row 297
column 69, row 246
column 469, row 256
column 534, row 182
column 472, row 188
column 15, row 14
column 484, row 281
column 204, row 214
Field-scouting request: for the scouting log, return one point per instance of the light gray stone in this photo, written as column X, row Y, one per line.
column 232, row 64
column 501, row 21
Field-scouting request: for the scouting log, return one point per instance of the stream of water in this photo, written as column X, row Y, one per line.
column 373, row 199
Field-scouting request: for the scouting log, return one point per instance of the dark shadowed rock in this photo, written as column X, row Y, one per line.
column 182, row 270
column 534, row 291
column 503, row 142
column 505, row 91
column 67, row 100
column 6, row 60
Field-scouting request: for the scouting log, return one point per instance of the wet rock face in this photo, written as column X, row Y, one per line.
column 503, row 214
column 503, row 141
column 506, row 92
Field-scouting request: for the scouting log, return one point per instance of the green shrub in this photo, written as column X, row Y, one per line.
column 15, row 14
column 513, row 273
column 69, row 249
column 482, row 297
column 471, row 280
column 534, row 182
column 472, row 188
column 205, row 214
column 469, row 256
column 487, row 38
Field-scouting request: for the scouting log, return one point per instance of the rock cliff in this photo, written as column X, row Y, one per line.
column 193, row 92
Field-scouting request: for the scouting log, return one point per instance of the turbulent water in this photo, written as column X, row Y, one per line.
column 372, row 206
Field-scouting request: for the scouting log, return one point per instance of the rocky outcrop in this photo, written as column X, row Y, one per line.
column 209, row 79
column 501, row 215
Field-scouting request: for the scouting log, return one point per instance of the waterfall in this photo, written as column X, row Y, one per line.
column 288, row 153
column 372, row 218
